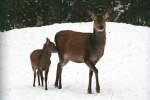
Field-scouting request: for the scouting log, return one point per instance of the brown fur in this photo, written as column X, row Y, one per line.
column 40, row 61
column 82, row 48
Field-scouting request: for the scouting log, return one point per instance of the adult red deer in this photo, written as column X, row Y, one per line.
column 82, row 48
column 40, row 61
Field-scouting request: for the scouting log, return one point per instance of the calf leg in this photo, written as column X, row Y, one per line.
column 34, row 78
column 46, row 76
column 57, row 75
column 38, row 73
column 41, row 74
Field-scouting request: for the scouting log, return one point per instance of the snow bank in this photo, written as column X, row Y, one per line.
column 123, row 70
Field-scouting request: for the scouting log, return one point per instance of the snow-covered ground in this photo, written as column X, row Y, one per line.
column 124, row 70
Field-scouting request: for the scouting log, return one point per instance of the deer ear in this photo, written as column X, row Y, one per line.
column 91, row 14
column 93, row 17
column 107, row 13
column 105, row 17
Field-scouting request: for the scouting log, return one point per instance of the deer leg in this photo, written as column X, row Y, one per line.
column 60, row 85
column 95, row 70
column 63, row 63
column 38, row 73
column 57, row 75
column 97, row 83
column 34, row 78
column 90, row 81
column 46, row 75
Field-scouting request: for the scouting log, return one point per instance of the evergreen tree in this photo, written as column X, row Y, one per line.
column 30, row 13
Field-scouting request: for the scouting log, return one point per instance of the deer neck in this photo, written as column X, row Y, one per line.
column 98, row 35
column 99, row 32
column 98, row 39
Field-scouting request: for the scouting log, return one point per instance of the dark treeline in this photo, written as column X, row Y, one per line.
column 29, row 13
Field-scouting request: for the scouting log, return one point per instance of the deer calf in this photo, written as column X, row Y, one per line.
column 40, row 61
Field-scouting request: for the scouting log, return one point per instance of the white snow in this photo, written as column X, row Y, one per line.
column 124, row 70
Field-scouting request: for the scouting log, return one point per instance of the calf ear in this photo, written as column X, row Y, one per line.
column 47, row 39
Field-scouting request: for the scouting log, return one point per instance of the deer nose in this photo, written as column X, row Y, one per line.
column 101, row 27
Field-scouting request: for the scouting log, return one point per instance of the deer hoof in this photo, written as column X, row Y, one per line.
column 98, row 90
column 59, row 87
column 89, row 92
column 56, row 86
